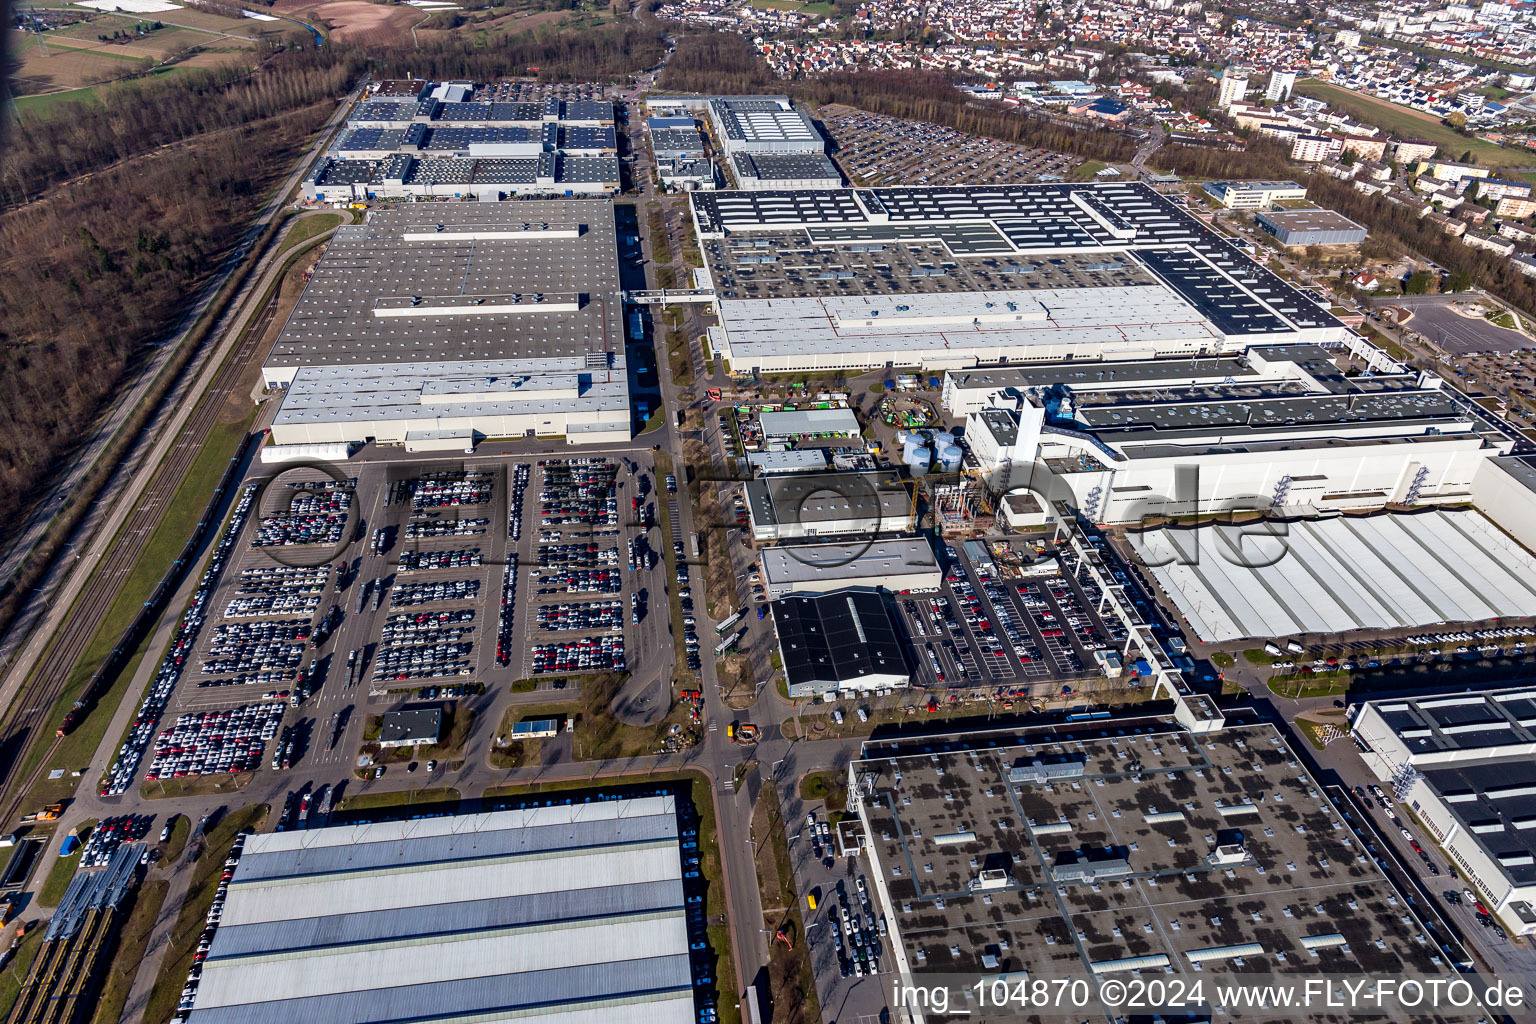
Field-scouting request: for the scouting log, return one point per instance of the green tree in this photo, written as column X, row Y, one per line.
column 1456, row 119
column 1418, row 283
column 1458, row 281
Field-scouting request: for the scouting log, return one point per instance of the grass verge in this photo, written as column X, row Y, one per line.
column 306, row 228
column 399, row 798
column 132, row 943
column 63, row 869
column 16, row 971
column 790, row 977
column 181, row 828
column 830, row 787
column 194, row 911
column 1302, row 687
column 159, row 551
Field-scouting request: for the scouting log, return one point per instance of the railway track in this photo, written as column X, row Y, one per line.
column 31, row 709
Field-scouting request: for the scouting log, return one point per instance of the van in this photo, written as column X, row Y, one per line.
column 1294, row 647
column 1272, row 649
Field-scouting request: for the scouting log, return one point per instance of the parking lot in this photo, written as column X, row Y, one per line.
column 876, row 150
column 849, row 952
column 333, row 600
column 1006, row 630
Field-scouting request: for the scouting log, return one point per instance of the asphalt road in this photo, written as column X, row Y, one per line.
column 1457, row 334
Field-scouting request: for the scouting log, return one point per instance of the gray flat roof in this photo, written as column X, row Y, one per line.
column 519, row 255
column 1090, row 375
column 1206, row 269
column 939, row 813
column 1112, row 421
column 786, row 166
column 1309, row 220
column 793, row 564
column 829, row 498
column 423, row 724
column 794, row 461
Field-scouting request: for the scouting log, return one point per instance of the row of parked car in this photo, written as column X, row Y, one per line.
column 439, row 625
column 580, row 581
column 409, row 595
column 582, row 555
column 423, row 661
column 205, row 941
column 109, row 834
column 449, row 490
column 859, row 932
column 579, row 492
column 131, row 754
column 423, row 561
column 567, row 616
column 520, row 475
column 507, row 613
column 283, row 579
column 426, row 529
column 215, row 742
column 589, row 654
column 312, row 517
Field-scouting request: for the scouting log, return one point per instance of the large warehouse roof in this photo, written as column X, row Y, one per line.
column 984, row 848
column 1335, row 575
column 845, row 638
column 979, row 264
column 447, row 283
column 571, row 912
column 791, row 567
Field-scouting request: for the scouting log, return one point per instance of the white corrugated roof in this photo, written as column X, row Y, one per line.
column 1340, row 574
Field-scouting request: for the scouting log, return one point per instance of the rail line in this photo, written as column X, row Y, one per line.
column 32, row 707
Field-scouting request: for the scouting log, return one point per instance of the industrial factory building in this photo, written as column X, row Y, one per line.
column 1464, row 763
column 769, row 144
column 437, row 326
column 1060, row 854
column 443, row 143
column 841, row 642
column 894, row 565
column 1311, row 227
column 800, row 505
column 1331, row 576
column 957, row 277
column 1278, row 426
column 1254, row 195
column 573, row 913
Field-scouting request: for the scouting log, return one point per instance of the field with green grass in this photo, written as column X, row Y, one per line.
column 308, row 227
column 1413, row 124
column 194, row 910
column 16, row 971
column 63, row 869
column 155, row 557
column 132, row 940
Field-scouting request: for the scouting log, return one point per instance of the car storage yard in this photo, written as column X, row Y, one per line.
column 998, row 632
column 411, row 581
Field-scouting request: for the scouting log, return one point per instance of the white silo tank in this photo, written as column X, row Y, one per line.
column 917, row 455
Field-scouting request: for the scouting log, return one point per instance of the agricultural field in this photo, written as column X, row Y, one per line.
column 1405, row 123
column 68, row 60
column 356, row 20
